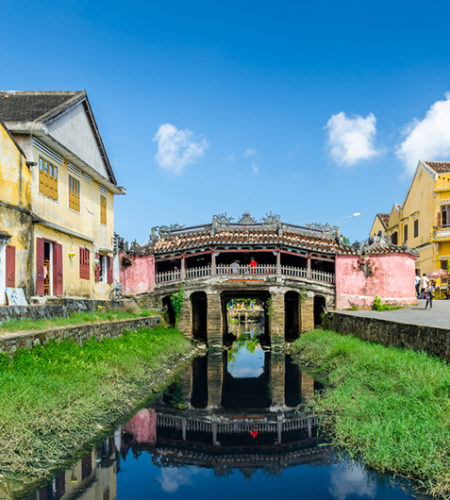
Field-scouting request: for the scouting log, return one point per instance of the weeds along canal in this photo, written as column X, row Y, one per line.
column 233, row 424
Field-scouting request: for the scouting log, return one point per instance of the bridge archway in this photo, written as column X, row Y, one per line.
column 291, row 315
column 170, row 313
column 320, row 306
column 199, row 315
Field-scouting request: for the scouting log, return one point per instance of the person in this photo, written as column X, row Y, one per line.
column 235, row 267
column 429, row 294
column 417, row 284
column 423, row 285
column 253, row 265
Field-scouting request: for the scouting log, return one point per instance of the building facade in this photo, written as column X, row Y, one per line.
column 72, row 189
column 15, row 216
column 423, row 221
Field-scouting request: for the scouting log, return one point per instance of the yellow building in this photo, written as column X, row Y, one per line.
column 72, row 192
column 423, row 221
column 15, row 216
column 379, row 224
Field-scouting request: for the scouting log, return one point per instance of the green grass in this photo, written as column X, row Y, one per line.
column 28, row 324
column 57, row 398
column 387, row 405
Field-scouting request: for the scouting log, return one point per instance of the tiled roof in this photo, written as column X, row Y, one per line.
column 384, row 219
column 244, row 238
column 440, row 167
column 19, row 106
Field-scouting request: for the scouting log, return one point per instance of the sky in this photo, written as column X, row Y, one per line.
column 313, row 110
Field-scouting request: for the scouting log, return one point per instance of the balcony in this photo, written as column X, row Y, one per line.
column 441, row 232
column 243, row 272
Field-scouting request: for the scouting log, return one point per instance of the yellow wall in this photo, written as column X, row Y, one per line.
column 377, row 226
column 15, row 217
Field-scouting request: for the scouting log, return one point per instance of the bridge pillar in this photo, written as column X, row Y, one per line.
column 215, row 375
column 277, row 320
column 185, row 320
column 307, row 314
column 277, row 379
column 214, row 320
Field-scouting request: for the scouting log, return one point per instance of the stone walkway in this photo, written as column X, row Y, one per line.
column 439, row 316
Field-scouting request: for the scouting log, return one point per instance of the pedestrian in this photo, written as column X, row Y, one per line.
column 253, row 265
column 417, row 283
column 235, row 267
column 423, row 285
column 429, row 294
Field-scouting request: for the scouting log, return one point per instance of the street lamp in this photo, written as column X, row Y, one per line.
column 356, row 214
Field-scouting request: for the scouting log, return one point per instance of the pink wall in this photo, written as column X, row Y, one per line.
column 388, row 276
column 143, row 426
column 139, row 277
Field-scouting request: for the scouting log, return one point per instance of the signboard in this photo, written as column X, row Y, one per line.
column 16, row 297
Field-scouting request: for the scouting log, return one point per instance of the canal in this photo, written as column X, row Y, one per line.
column 233, row 424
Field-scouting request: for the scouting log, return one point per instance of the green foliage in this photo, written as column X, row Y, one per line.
column 28, row 324
column 268, row 306
column 378, row 306
column 389, row 406
column 303, row 293
column 58, row 397
column 177, row 301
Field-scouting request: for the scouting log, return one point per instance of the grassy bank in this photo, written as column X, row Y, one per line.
column 54, row 399
column 28, row 324
column 387, row 405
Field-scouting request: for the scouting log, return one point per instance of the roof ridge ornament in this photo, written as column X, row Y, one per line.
column 246, row 219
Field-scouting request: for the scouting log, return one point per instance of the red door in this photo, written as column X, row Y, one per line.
column 10, row 266
column 40, row 266
column 57, row 270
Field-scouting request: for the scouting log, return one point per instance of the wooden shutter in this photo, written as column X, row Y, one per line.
column 438, row 219
column 109, row 270
column 57, row 270
column 40, row 266
column 10, row 266
column 84, row 263
column 97, row 268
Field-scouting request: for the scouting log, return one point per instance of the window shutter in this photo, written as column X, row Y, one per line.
column 57, row 270
column 97, row 268
column 109, row 269
column 40, row 266
column 84, row 263
column 439, row 218
column 10, row 266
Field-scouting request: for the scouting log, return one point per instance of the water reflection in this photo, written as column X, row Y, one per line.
column 232, row 424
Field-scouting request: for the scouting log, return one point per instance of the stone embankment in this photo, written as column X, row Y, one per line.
column 431, row 339
column 56, row 307
column 10, row 342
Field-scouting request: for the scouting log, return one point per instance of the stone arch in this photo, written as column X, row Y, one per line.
column 320, row 306
column 169, row 311
column 291, row 315
column 199, row 306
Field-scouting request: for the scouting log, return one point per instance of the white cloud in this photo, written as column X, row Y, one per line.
column 172, row 478
column 249, row 152
column 351, row 139
column 350, row 480
column 254, row 167
column 177, row 148
column 427, row 139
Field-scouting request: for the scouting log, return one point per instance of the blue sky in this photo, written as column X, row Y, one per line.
column 305, row 109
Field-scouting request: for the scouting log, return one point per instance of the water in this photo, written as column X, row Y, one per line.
column 232, row 425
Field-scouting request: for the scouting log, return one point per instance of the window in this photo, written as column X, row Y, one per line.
column 74, row 193
column 445, row 215
column 103, row 209
column 84, row 263
column 394, row 238
column 104, row 270
column 416, row 228
column 48, row 178
column 405, row 233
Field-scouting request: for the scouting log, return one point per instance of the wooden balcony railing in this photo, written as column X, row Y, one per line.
column 237, row 271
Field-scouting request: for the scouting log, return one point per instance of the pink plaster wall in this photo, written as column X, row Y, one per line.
column 140, row 276
column 392, row 280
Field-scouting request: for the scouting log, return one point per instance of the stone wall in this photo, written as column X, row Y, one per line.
column 58, row 307
column 10, row 342
column 433, row 340
column 139, row 275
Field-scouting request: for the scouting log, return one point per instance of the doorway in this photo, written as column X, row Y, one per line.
column 48, row 268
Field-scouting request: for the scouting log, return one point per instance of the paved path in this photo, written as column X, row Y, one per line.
column 438, row 316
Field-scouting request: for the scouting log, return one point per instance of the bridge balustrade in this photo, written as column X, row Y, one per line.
column 239, row 270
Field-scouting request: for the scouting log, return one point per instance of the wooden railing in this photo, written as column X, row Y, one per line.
column 238, row 270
